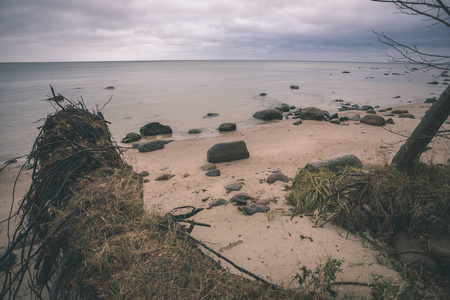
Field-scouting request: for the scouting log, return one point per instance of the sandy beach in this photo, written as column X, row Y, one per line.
column 271, row 245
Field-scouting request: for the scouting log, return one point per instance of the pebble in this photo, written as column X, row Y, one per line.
column 213, row 173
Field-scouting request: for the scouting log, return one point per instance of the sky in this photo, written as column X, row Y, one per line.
column 110, row 30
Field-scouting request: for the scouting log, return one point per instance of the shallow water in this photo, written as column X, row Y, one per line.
column 181, row 93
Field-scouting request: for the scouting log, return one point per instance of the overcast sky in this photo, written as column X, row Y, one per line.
column 98, row 30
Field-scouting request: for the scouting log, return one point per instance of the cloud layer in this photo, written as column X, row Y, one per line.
column 71, row 30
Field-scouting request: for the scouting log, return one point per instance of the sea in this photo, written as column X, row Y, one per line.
column 181, row 93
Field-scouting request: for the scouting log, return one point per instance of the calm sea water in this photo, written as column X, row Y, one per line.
column 180, row 93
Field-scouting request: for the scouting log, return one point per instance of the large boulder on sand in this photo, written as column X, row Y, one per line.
column 155, row 128
column 151, row 146
column 227, row 152
column 227, row 127
column 268, row 115
column 312, row 113
column 338, row 162
column 373, row 120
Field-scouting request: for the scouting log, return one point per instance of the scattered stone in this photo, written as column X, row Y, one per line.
column 344, row 119
column 345, row 72
column 390, row 121
column 208, row 167
column 298, row 122
column 406, row 116
column 131, row 137
column 151, row 146
column 292, row 107
column 334, row 116
column 283, row 107
column 365, row 107
column 213, row 173
column 155, row 128
column 227, row 127
column 211, row 115
column 338, row 162
column 346, row 124
column 146, row 180
column 109, row 87
column 433, row 82
column 381, row 110
column 335, row 121
column 253, row 209
column 240, row 202
column 243, row 196
column 294, row 87
column 263, row 94
column 144, row 174
column 234, row 187
column 371, row 111
column 268, row 115
column 165, row 176
column 227, row 152
column 217, row 202
column 397, row 97
column 194, row 131
column 399, row 111
column 355, row 118
column 389, row 108
column 373, row 120
column 277, row 176
column 388, row 115
column 312, row 113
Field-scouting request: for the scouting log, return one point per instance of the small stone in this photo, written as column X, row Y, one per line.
column 406, row 116
column 335, row 121
column 294, row 87
column 217, row 202
column 277, row 176
column 355, row 118
column 109, row 87
column 208, row 167
column 298, row 122
column 194, row 131
column 144, row 174
column 211, row 115
column 227, row 127
column 213, row 173
column 263, row 94
column 240, row 202
column 164, row 176
column 399, row 111
column 388, row 115
column 243, row 196
column 146, row 180
column 390, row 121
column 234, row 187
column 253, row 209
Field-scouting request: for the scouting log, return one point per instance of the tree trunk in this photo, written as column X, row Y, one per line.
column 424, row 133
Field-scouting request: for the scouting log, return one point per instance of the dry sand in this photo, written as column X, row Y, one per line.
column 267, row 244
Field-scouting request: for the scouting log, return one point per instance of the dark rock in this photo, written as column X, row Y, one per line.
column 253, row 209
column 388, row 115
column 151, row 146
column 389, row 108
column 344, row 119
column 345, row 124
column 208, row 167
column 217, row 202
column 277, row 176
column 164, row 177
column 227, row 127
column 371, row 111
column 213, row 173
column 431, row 100
column 268, row 115
column 131, row 137
column 334, row 116
column 345, row 72
column 243, row 196
column 137, row 145
column 298, row 122
column 292, row 107
column 294, row 87
column 144, row 174
column 194, row 131
column 211, row 115
column 234, row 187
column 399, row 111
column 240, row 202
column 227, row 152
column 155, row 128
column 109, row 87
column 397, row 97
column 312, row 113
column 406, row 116
column 263, row 94
column 338, row 162
column 381, row 110
column 390, row 121
column 8, row 261
column 355, row 106
column 365, row 107
column 283, row 107
column 433, row 82
column 373, row 120
column 335, row 121
column 146, row 180
column 355, row 118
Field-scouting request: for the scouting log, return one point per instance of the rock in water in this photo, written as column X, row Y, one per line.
column 217, row 202
column 312, row 113
column 277, row 176
column 155, row 128
column 268, row 115
column 194, row 131
column 151, row 146
column 253, row 209
column 227, row 152
column 338, row 162
column 227, row 127
column 373, row 120
column 131, row 137
column 294, row 87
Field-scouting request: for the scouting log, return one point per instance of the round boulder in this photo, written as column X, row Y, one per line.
column 283, row 107
column 227, row 152
column 373, row 120
column 312, row 113
column 268, row 115
column 227, row 127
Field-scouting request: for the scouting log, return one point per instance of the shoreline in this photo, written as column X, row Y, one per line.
column 267, row 244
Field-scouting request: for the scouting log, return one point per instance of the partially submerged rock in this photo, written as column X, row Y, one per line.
column 131, row 137
column 268, row 115
column 373, row 120
column 227, row 127
column 154, row 128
